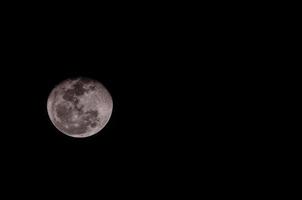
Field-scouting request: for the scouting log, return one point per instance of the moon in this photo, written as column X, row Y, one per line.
column 79, row 107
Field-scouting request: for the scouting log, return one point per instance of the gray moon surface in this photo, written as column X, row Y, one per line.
column 79, row 107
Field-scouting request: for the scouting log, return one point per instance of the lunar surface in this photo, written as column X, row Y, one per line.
column 79, row 107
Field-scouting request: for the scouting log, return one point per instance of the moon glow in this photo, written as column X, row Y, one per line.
column 79, row 107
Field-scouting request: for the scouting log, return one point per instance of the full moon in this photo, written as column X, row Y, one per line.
column 79, row 107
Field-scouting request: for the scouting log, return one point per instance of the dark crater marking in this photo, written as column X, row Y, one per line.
column 65, row 114
column 76, row 91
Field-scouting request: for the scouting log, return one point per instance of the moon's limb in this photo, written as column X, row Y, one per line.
column 79, row 107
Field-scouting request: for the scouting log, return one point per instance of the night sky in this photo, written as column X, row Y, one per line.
column 173, row 95
column 147, row 87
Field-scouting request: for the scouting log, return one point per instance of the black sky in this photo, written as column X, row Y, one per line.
column 134, row 60
column 173, row 90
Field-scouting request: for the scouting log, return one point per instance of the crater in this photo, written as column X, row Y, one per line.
column 92, row 87
column 93, row 124
column 69, row 95
column 76, row 91
column 63, row 112
column 79, row 89
column 92, row 113
column 80, row 129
